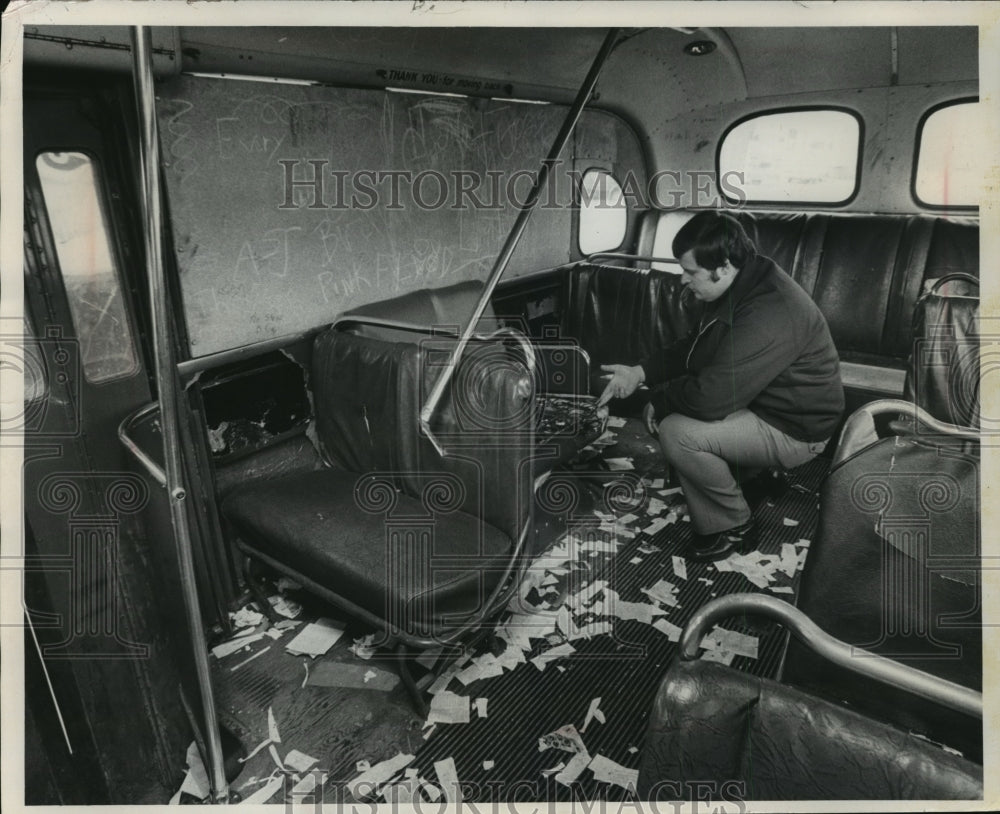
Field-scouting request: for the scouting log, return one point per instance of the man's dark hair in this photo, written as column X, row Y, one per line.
column 715, row 238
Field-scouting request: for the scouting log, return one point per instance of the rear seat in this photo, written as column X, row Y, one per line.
column 865, row 272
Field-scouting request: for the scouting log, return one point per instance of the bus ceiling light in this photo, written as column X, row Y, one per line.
column 244, row 77
column 699, row 48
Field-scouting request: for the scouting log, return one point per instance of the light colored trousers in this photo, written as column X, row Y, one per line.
column 709, row 456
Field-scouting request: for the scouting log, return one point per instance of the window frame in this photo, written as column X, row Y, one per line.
column 579, row 207
column 104, row 200
column 791, row 203
column 921, row 122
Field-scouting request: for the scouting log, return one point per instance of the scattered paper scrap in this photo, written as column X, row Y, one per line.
column 657, row 483
column 722, row 656
column 593, row 714
column 607, row 771
column 573, row 769
column 739, row 644
column 449, row 708
column 480, row 704
column 238, row 643
column 316, row 638
column 432, row 791
column 655, row 506
column 364, row 647
column 307, row 785
column 245, row 617
column 350, row 675
column 639, row 611
column 488, row 764
column 299, row 761
column 635, row 561
column 551, row 655
column 447, row 776
column 619, row 464
column 272, row 727
column 273, row 752
column 286, row 607
column 672, row 631
column 557, row 768
column 196, row 780
column 265, row 793
column 680, row 567
column 260, row 652
column 565, row 738
column 782, row 589
column 366, row 783
column 789, row 522
column 662, row 591
column 616, row 421
column 362, row 765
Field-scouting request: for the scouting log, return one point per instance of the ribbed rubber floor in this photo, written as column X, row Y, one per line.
column 340, row 726
column 623, row 669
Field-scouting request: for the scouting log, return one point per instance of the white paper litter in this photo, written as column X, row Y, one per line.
column 673, row 631
column 739, row 644
column 286, row 607
column 593, row 714
column 722, row 656
column 299, row 761
column 619, row 464
column 551, row 655
column 307, row 785
column 616, row 421
column 367, row 782
column 573, row 769
column 488, row 764
column 260, row 652
column 245, row 617
column 480, row 704
column 639, row 611
column 272, row 727
column 316, row 638
column 226, row 648
column 447, row 776
column 448, row 708
column 265, row 793
column 607, row 771
column 655, row 506
column 680, row 567
column 789, row 522
column 565, row 738
column 196, row 780
column 662, row 591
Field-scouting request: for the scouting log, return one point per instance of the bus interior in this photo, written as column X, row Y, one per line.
column 319, row 503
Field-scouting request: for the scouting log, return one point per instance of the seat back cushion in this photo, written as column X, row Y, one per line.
column 895, row 570
column 775, row 742
column 446, row 307
column 944, row 370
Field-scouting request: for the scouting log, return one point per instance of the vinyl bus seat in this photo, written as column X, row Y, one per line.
column 421, row 546
column 770, row 741
column 567, row 419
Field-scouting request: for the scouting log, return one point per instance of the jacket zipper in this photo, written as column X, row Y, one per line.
column 701, row 330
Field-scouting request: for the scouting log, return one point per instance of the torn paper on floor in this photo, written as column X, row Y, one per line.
column 285, row 607
column 737, row 643
column 448, row 708
column 607, row 771
column 299, row 761
column 447, row 776
column 552, row 654
column 245, row 617
column 593, row 714
column 316, row 638
column 680, row 567
column 265, row 793
column 196, row 780
column 236, row 644
column 619, row 464
column 367, row 783
column 662, row 591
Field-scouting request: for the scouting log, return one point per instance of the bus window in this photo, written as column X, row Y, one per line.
column 80, row 233
column 794, row 156
column 603, row 212
column 950, row 147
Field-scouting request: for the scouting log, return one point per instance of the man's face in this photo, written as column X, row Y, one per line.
column 700, row 280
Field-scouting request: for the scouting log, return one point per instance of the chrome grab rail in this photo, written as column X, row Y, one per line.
column 152, row 467
column 643, row 258
column 861, row 425
column 863, row 662
column 516, row 232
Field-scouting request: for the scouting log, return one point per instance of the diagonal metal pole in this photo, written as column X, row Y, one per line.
column 167, row 389
column 517, row 231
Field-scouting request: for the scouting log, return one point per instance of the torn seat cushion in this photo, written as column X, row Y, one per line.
column 314, row 524
column 774, row 742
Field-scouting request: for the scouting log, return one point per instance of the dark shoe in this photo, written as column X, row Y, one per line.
column 718, row 546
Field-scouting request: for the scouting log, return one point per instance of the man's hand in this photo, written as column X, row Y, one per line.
column 623, row 381
column 649, row 418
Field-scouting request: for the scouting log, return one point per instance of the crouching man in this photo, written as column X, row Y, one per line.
column 756, row 385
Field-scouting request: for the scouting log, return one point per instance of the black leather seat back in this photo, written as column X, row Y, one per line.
column 368, row 394
column 894, row 570
column 944, row 370
column 772, row 742
column 620, row 315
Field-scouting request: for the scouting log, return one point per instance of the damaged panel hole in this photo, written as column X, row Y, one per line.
column 250, row 405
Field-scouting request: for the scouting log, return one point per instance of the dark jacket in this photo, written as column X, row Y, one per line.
column 763, row 345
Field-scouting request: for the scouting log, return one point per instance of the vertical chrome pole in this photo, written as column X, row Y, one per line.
column 503, row 259
column 167, row 388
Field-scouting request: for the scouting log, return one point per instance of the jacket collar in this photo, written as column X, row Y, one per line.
column 746, row 280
